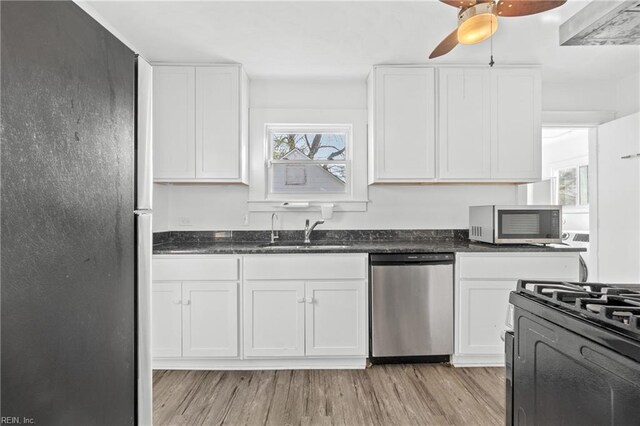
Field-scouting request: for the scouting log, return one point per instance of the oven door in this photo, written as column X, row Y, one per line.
column 525, row 225
column 564, row 378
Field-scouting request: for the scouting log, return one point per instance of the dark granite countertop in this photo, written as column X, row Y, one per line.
column 403, row 241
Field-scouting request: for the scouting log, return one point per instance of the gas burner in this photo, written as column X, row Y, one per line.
column 616, row 306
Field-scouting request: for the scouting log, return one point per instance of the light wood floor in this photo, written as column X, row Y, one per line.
column 417, row 394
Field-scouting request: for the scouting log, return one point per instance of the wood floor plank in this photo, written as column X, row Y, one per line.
column 410, row 394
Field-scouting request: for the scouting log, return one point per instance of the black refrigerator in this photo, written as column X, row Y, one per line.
column 68, row 229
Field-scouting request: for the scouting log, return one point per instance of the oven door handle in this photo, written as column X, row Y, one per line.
column 584, row 270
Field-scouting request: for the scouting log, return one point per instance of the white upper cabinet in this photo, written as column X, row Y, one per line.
column 218, row 123
column 516, row 140
column 464, row 123
column 200, row 127
column 402, row 131
column 488, row 126
column 173, row 119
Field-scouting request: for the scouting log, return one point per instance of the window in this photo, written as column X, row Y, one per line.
column 303, row 159
column 309, row 159
column 573, row 186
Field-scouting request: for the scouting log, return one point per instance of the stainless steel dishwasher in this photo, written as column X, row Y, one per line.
column 411, row 307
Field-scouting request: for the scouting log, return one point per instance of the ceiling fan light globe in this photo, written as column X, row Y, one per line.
column 477, row 29
column 477, row 23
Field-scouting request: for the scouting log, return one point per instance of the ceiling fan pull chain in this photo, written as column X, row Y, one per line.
column 491, row 62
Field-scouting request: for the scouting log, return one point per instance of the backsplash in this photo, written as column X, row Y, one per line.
column 330, row 235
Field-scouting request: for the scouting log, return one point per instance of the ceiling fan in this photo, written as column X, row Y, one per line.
column 478, row 19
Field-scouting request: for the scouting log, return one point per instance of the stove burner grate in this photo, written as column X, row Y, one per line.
column 613, row 305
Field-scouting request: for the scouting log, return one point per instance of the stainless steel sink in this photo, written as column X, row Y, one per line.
column 304, row 246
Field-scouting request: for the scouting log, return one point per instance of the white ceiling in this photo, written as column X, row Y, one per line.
column 327, row 39
column 552, row 135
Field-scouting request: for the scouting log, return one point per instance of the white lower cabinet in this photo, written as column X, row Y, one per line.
column 194, row 319
column 482, row 287
column 335, row 315
column 210, row 319
column 195, row 308
column 166, row 322
column 273, row 318
column 294, row 319
column 484, row 304
column 260, row 311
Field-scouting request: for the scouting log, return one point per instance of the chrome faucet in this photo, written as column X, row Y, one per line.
column 309, row 229
column 274, row 233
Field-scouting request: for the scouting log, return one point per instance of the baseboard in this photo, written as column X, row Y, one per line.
column 259, row 364
column 477, row 360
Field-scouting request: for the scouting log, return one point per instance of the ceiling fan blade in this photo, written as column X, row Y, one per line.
column 445, row 45
column 526, row 7
column 460, row 3
column 464, row 4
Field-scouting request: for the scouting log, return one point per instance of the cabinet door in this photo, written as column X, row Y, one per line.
column 335, row 318
column 210, row 319
column 516, row 140
column 273, row 318
column 173, row 122
column 405, row 125
column 465, row 123
column 166, row 319
column 482, row 315
column 218, row 123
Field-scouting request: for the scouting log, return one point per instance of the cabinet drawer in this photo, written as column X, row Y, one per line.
column 549, row 266
column 305, row 266
column 196, row 268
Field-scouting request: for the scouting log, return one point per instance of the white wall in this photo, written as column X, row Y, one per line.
column 161, row 211
column 628, row 95
column 223, row 207
column 620, row 96
column 596, row 95
column 392, row 206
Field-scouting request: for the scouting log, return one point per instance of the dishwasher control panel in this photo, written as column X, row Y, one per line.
column 410, row 257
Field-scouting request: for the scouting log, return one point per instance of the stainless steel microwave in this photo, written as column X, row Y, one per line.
column 515, row 224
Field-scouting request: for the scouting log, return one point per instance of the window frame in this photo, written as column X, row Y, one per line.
column 354, row 201
column 344, row 128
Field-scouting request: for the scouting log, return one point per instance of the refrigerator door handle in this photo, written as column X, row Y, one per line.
column 144, row 253
column 144, row 136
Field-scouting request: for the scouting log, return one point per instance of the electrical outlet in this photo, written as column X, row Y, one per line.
column 245, row 219
column 184, row 221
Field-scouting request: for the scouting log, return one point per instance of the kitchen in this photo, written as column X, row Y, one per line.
column 319, row 251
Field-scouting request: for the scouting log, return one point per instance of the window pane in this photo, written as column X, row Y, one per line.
column 309, row 178
column 567, row 187
column 308, row 146
column 584, row 185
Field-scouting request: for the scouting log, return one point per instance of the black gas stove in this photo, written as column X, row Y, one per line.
column 574, row 356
